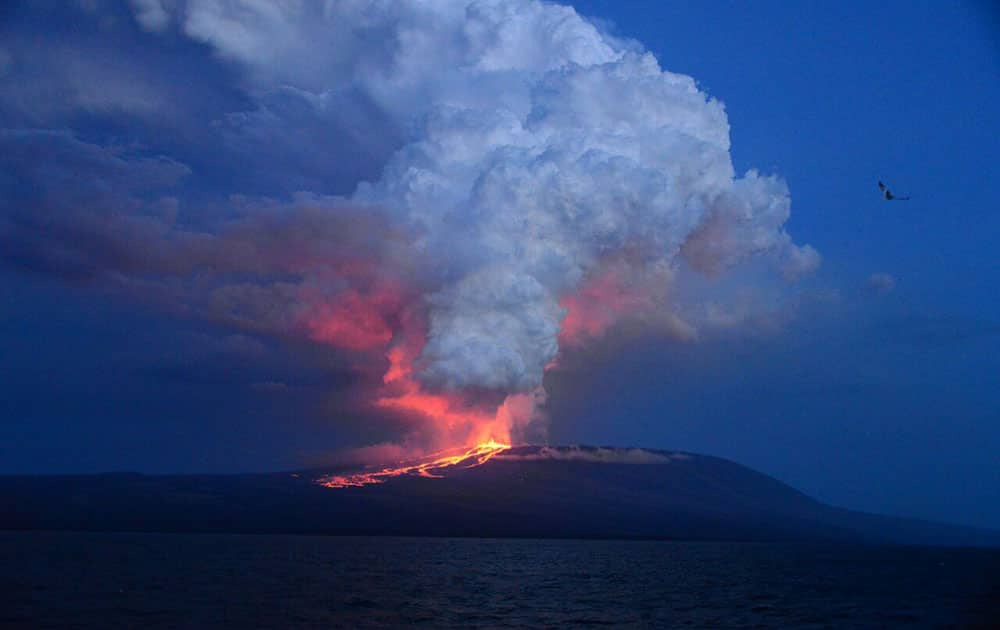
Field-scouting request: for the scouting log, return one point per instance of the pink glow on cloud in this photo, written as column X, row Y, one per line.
column 599, row 303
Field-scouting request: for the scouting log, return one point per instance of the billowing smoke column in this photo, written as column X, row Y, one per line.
column 549, row 179
column 540, row 181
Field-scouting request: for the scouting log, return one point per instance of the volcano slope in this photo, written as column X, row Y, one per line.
column 526, row 491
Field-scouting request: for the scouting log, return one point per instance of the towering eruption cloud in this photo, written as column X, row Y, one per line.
column 525, row 181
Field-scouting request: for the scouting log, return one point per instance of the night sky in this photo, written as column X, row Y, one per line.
column 216, row 222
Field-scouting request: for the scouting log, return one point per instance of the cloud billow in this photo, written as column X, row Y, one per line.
column 528, row 182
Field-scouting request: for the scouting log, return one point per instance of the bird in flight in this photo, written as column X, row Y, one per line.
column 887, row 194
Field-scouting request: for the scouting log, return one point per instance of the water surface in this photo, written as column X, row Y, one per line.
column 78, row 580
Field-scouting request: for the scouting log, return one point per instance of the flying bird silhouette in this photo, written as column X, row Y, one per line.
column 887, row 194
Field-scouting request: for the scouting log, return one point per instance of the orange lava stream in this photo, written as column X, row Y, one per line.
column 432, row 467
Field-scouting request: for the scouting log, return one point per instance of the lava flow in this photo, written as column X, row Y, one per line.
column 433, row 466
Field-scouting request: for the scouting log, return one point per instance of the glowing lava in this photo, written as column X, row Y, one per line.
column 433, row 467
column 376, row 316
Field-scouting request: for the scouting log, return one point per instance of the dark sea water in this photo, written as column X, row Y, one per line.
column 76, row 580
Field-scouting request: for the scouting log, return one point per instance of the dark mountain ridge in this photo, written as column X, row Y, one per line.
column 529, row 491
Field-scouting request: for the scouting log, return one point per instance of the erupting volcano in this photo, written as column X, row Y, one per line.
column 532, row 191
column 513, row 182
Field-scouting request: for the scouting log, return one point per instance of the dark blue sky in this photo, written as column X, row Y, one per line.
column 877, row 394
column 885, row 402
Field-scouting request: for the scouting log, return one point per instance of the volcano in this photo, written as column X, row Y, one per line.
column 524, row 491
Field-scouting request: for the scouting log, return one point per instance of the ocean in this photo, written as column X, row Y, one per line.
column 91, row 580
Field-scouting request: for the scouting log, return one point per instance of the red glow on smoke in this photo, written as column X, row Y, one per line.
column 448, row 412
column 371, row 313
column 361, row 316
column 354, row 321
column 599, row 303
column 454, row 420
column 378, row 318
column 451, row 413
